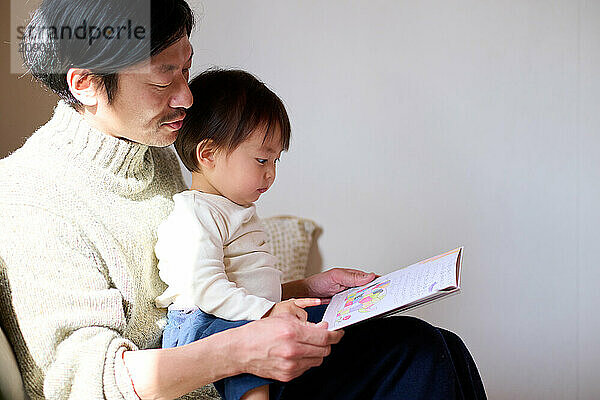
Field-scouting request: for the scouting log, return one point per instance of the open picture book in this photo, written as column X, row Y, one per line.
column 398, row 291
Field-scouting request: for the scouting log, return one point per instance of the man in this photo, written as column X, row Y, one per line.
column 80, row 204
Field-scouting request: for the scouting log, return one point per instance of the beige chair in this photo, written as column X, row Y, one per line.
column 11, row 385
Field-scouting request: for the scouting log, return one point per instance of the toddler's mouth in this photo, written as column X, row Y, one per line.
column 262, row 190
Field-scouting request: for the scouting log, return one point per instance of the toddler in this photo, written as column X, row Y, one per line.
column 212, row 250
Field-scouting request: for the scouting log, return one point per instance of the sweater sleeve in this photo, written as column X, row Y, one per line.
column 190, row 254
column 69, row 317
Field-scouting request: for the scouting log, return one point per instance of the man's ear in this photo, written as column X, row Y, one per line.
column 83, row 86
column 205, row 153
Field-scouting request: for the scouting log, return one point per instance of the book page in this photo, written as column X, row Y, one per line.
column 393, row 290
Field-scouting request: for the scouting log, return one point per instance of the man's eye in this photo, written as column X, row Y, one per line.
column 162, row 86
column 262, row 160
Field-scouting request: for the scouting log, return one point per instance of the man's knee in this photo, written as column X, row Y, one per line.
column 422, row 338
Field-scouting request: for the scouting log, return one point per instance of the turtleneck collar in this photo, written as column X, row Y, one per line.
column 127, row 166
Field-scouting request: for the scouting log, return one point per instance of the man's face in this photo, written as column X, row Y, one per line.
column 151, row 99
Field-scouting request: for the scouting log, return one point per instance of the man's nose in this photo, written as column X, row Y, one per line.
column 182, row 98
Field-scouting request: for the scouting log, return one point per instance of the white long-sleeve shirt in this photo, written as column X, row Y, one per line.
column 213, row 254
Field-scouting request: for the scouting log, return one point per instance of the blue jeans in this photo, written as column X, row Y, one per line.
column 187, row 327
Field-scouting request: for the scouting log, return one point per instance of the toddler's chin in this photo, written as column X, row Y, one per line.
column 245, row 202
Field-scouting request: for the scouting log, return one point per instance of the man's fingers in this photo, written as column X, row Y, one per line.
column 323, row 324
column 308, row 363
column 317, row 334
column 282, row 347
column 356, row 278
column 300, row 351
column 302, row 315
column 297, row 368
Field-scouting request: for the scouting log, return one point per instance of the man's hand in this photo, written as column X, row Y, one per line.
column 293, row 307
column 333, row 281
column 282, row 347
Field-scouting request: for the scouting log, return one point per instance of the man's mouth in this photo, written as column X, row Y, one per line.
column 176, row 124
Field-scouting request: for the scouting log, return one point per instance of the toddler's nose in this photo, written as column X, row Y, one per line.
column 270, row 174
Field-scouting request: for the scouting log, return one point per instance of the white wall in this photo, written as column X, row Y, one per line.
column 419, row 126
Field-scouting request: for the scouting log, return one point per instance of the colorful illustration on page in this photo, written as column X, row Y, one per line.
column 362, row 300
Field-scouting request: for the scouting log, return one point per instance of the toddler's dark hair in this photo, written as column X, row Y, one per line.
column 228, row 106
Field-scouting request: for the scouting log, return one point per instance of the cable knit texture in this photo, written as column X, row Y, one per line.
column 78, row 216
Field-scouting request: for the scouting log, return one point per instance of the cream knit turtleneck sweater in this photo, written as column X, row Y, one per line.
column 78, row 217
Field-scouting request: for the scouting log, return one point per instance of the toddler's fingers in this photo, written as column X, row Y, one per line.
column 308, row 302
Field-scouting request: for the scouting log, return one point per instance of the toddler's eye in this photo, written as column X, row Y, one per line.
column 262, row 160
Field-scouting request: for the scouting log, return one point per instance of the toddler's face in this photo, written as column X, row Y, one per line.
column 249, row 171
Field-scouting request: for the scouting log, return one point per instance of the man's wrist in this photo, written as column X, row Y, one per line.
column 232, row 350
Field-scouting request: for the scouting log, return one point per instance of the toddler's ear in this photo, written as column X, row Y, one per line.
column 205, row 153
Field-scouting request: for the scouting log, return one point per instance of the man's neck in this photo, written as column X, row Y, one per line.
column 91, row 116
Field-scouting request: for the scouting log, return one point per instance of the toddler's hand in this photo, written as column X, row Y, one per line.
column 294, row 307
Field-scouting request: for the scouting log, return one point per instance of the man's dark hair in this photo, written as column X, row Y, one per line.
column 229, row 105
column 52, row 45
